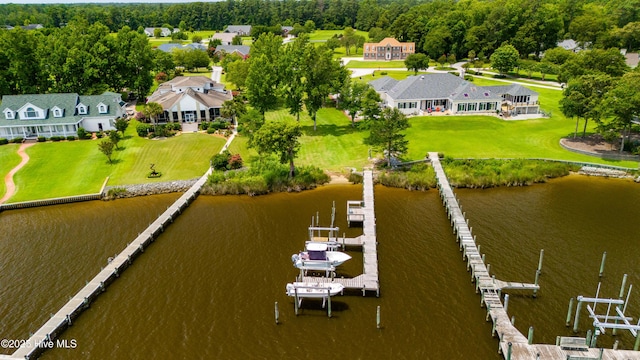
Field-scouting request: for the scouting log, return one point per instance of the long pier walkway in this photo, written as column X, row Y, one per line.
column 368, row 280
column 44, row 338
column 512, row 344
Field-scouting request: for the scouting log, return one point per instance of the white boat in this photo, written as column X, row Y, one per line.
column 313, row 290
column 318, row 257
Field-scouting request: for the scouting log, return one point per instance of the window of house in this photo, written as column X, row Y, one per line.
column 30, row 113
column 461, row 107
column 102, row 109
column 57, row 113
column 367, row 47
column 412, row 105
column 82, row 110
column 482, row 106
column 471, row 107
column 9, row 114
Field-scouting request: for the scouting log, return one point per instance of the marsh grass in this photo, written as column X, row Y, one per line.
column 262, row 177
column 494, row 172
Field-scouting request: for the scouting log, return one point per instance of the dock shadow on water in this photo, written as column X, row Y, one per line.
column 206, row 288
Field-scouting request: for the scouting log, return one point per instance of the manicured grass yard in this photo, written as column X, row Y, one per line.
column 487, row 136
column 334, row 146
column 324, row 35
column 9, row 159
column 78, row 167
column 372, row 64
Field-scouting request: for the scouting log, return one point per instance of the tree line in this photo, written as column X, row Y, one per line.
column 438, row 27
column 78, row 58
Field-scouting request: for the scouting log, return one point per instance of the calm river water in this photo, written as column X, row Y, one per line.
column 207, row 287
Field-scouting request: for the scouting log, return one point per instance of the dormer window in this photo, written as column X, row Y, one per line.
column 102, row 108
column 30, row 113
column 57, row 112
column 10, row 115
column 82, row 110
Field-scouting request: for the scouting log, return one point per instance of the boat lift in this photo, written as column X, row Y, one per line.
column 607, row 320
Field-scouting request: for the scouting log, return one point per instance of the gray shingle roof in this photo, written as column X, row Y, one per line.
column 383, row 83
column 444, row 86
column 238, row 29
column 513, row 89
column 469, row 91
column 170, row 46
column 66, row 102
column 429, row 86
column 243, row 49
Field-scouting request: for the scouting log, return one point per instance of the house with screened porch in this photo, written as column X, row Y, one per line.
column 450, row 94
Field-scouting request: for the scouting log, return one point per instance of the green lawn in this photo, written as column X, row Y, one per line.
column 9, row 159
column 324, row 35
column 372, row 64
column 155, row 42
column 334, row 146
column 78, row 167
column 396, row 74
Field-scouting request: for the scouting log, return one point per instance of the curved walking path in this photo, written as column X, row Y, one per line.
column 8, row 179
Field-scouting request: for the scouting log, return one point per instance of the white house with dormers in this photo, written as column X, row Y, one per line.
column 447, row 93
column 190, row 99
column 34, row 115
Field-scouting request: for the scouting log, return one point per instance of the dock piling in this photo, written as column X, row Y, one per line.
column 604, row 258
column 540, row 260
column 513, row 320
column 378, row 317
column 530, row 336
column 329, row 302
column 277, row 313
column 568, row 322
column 509, row 350
column 594, row 339
column 506, row 303
column 576, row 321
column 535, row 291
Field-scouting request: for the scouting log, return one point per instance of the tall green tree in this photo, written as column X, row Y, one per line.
column 281, row 138
column 121, row 125
column 262, row 84
column 583, row 96
column 417, row 62
column 106, row 147
column 292, row 70
column 386, row 133
column 352, row 98
column 135, row 61
column 622, row 102
column 505, row 58
column 237, row 73
column 152, row 110
column 323, row 75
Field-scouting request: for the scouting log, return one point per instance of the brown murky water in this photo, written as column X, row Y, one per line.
column 207, row 287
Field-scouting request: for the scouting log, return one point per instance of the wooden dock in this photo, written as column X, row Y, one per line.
column 368, row 280
column 513, row 345
column 80, row 301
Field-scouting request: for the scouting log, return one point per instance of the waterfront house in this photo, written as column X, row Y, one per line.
column 447, row 93
column 242, row 30
column 169, row 47
column 34, row 115
column 388, row 49
column 242, row 50
column 164, row 32
column 190, row 99
column 225, row 38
